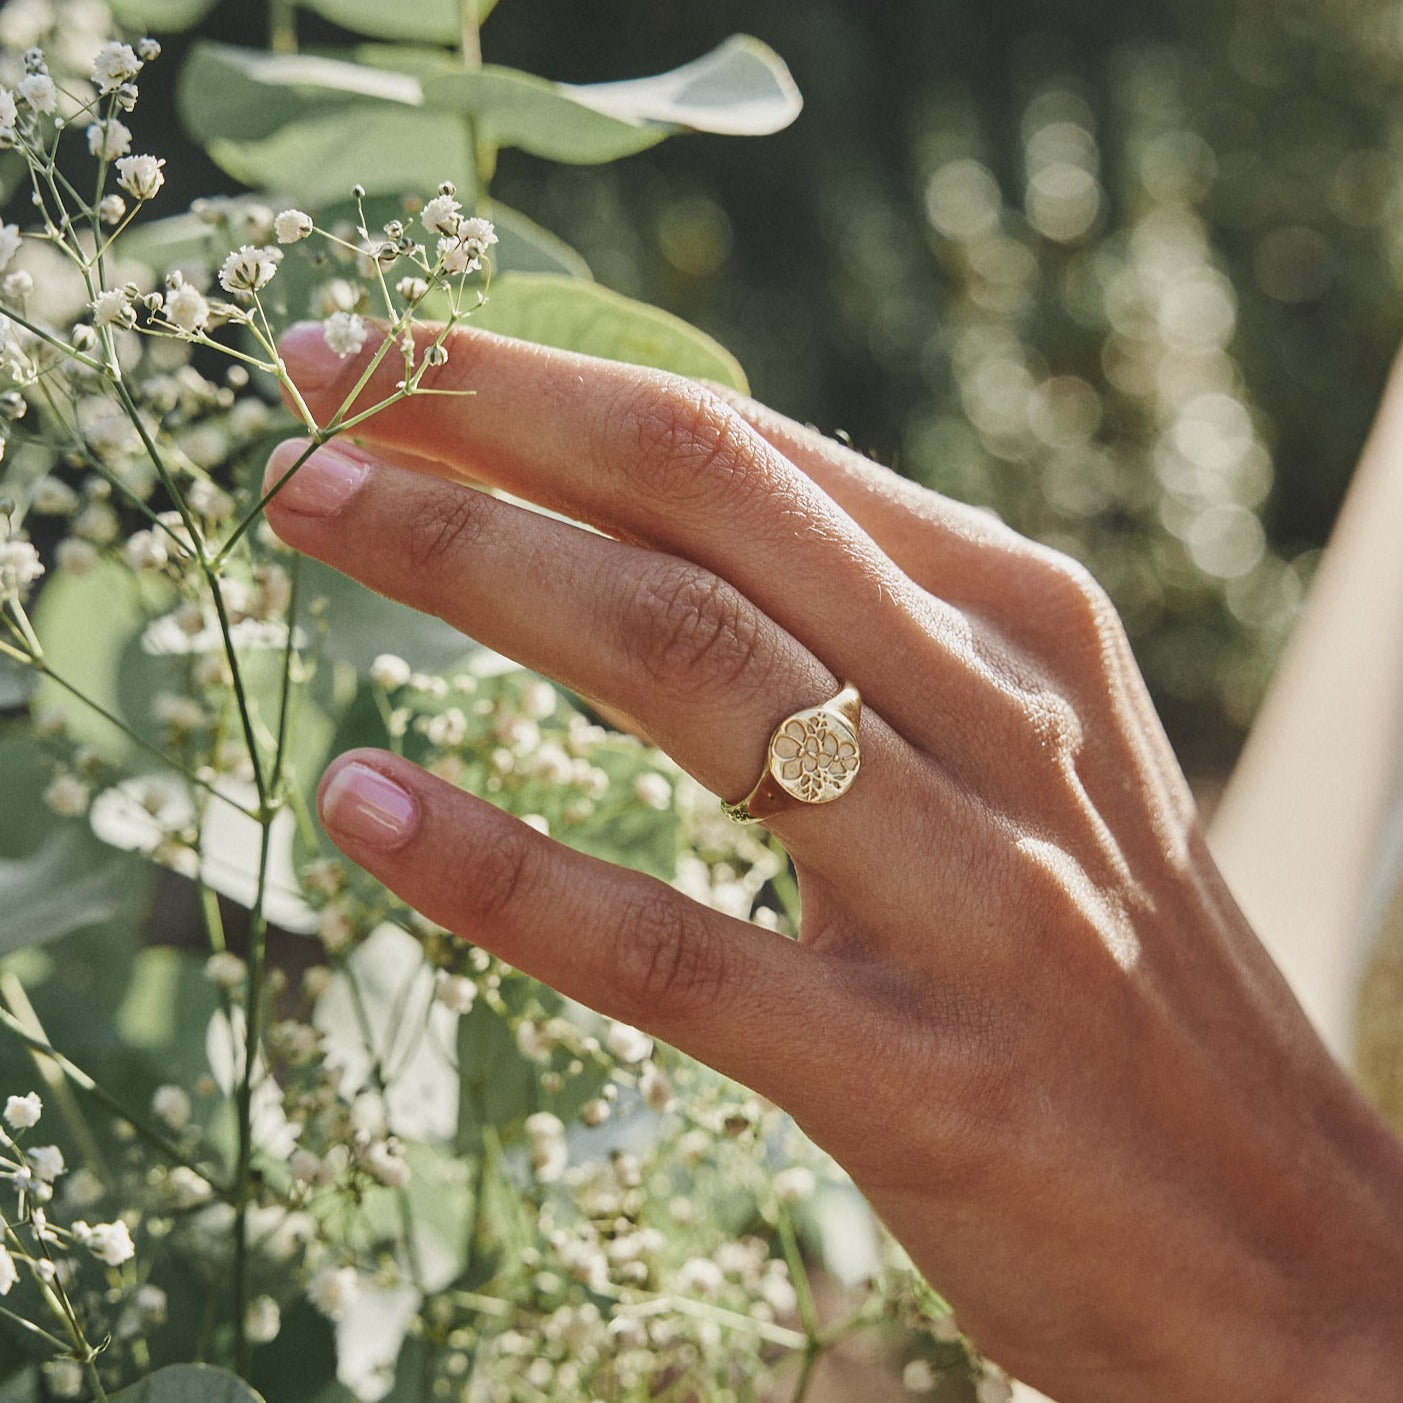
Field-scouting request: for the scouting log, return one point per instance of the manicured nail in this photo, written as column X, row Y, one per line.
column 321, row 486
column 367, row 807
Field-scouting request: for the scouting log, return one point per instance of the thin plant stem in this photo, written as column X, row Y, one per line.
column 12, row 991
column 52, row 1341
column 167, row 1148
column 164, row 756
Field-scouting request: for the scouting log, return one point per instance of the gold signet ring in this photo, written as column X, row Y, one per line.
column 812, row 758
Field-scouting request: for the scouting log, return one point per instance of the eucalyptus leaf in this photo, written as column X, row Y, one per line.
column 162, row 16
column 188, row 1383
column 741, row 88
column 575, row 316
column 245, row 94
column 60, row 888
column 525, row 247
column 512, row 108
column 17, row 683
column 385, row 149
column 419, row 21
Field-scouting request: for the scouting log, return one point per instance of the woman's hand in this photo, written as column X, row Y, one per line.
column 1023, row 1011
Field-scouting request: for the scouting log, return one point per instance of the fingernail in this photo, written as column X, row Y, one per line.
column 321, row 486
column 369, row 808
column 313, row 365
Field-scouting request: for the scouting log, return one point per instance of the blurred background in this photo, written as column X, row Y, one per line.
column 1127, row 273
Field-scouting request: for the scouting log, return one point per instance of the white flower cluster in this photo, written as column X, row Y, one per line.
column 463, row 241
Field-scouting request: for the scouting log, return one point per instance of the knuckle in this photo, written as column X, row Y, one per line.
column 691, row 630
column 1076, row 613
column 665, row 961
column 500, row 873
column 679, row 439
column 441, row 526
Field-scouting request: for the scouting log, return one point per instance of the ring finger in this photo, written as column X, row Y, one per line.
column 704, row 672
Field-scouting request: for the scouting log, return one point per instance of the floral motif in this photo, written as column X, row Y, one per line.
column 814, row 758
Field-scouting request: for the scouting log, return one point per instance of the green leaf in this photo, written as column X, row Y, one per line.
column 525, row 247
column 87, row 623
column 512, row 108
column 245, row 94
column 17, row 683
column 394, row 150
column 161, row 16
column 741, row 88
column 55, row 877
column 58, row 889
column 188, row 1383
column 419, row 21
column 576, row 316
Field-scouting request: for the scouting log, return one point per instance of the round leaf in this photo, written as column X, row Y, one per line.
column 188, row 1383
column 422, row 21
column 577, row 316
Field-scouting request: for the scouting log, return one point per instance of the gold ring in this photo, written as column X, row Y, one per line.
column 812, row 758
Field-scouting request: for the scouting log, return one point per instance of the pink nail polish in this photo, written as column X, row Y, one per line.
column 322, row 485
column 369, row 808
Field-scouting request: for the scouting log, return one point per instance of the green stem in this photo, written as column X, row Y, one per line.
column 52, row 1341
column 84, row 1082
column 164, row 756
column 282, row 27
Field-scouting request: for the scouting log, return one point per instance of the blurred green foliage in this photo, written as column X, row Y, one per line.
column 1127, row 273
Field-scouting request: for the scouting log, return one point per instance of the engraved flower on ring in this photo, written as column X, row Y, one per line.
column 814, row 762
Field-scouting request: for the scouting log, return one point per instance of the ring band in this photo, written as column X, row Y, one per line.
column 812, row 758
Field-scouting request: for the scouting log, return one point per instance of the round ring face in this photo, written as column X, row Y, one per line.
column 814, row 756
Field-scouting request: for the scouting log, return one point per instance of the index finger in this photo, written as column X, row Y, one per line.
column 658, row 460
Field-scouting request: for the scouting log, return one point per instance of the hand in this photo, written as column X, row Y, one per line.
column 1023, row 1011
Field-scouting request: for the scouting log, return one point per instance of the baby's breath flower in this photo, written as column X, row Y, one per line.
column 8, row 1273
column 148, row 49
column 226, row 971
column 113, row 65
column 462, row 251
column 108, row 1242
column 412, row 289
column 140, row 176
column 9, row 115
column 333, row 1289
column 386, row 1163
column 46, row 1161
column 16, row 286
column 549, row 1154
column 344, row 333
column 76, row 556
column 794, row 1183
column 627, row 1043
column 145, row 550
column 440, row 215
column 390, row 672
column 456, row 992
column 262, row 1320
column 51, row 496
column 112, row 307
column 110, row 139
column 919, row 1376
column 110, row 209
column 652, row 790
column 249, row 269
column 68, row 795
column 186, row 308
column 38, row 91
column 22, row 1112
column 291, row 226
column 20, row 566
column 172, row 1105
column 9, row 243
